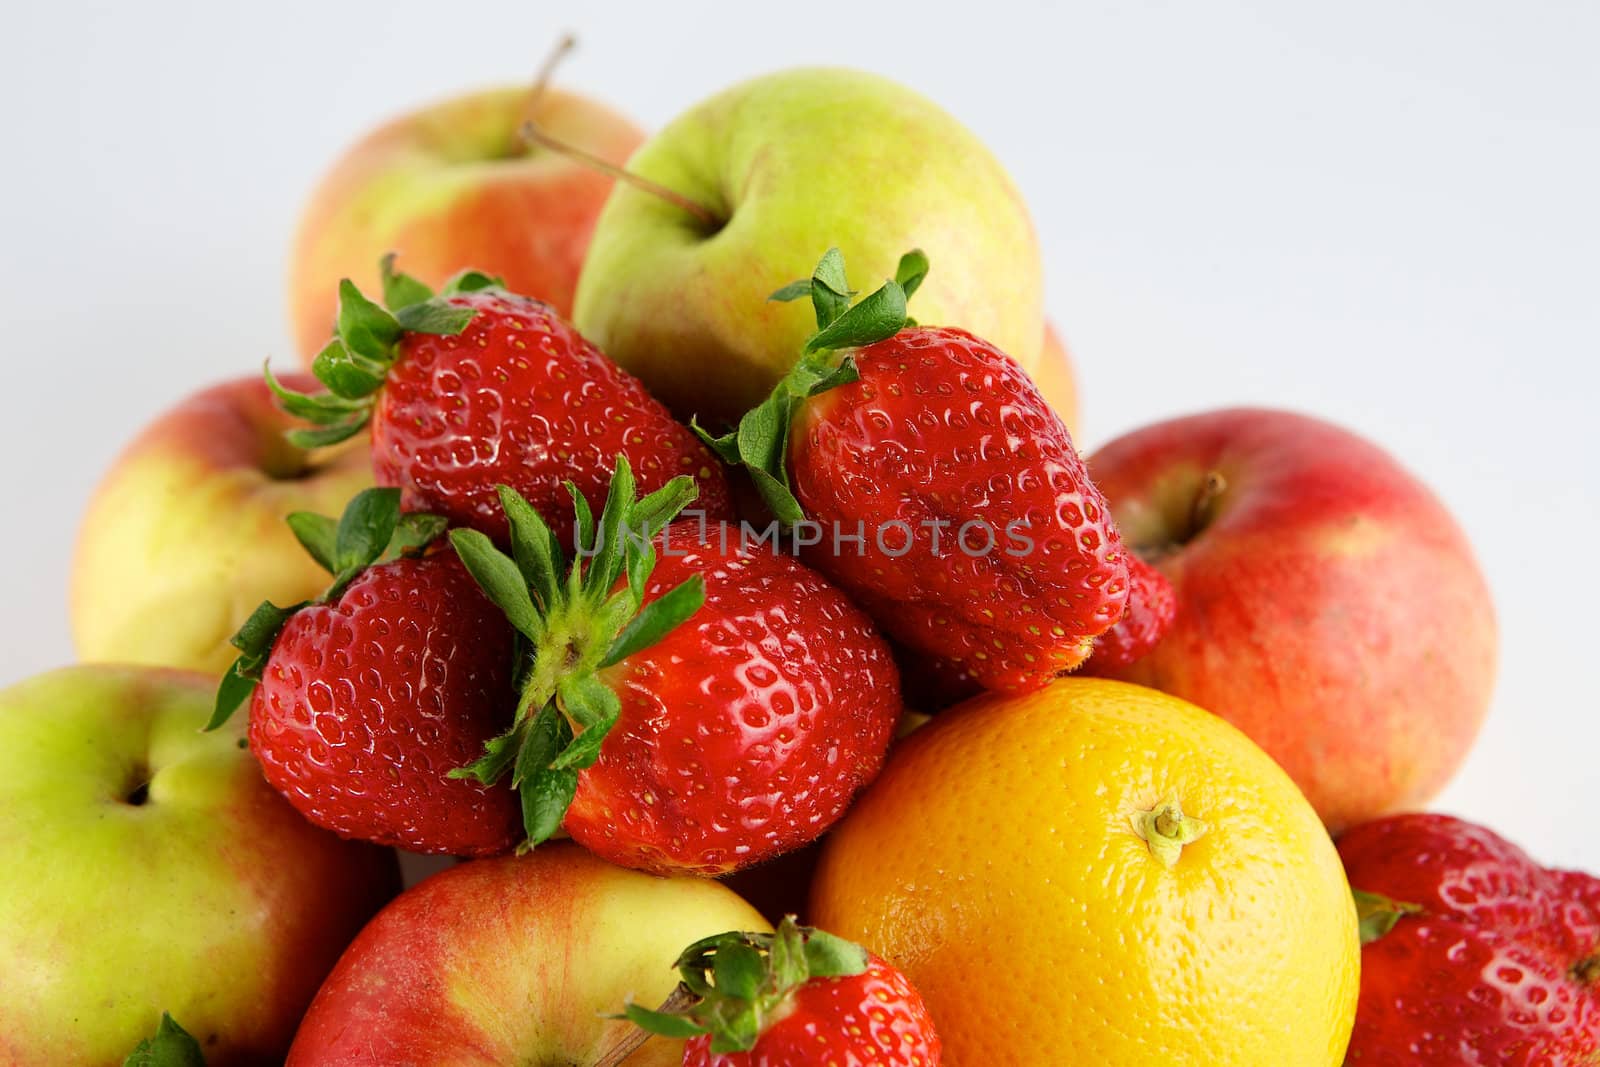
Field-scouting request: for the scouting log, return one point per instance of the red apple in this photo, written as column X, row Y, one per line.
column 452, row 186
column 514, row 960
column 146, row 867
column 1328, row 604
column 186, row 534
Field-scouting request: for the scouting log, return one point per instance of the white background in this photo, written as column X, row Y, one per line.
column 1384, row 213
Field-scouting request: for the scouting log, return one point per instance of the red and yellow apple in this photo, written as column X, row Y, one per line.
column 1328, row 604
column 787, row 166
column 453, row 186
column 186, row 534
column 517, row 959
column 145, row 866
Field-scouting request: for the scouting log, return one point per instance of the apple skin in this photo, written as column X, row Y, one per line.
column 1328, row 605
column 213, row 900
column 797, row 162
column 514, row 960
column 1056, row 380
column 186, row 534
column 446, row 188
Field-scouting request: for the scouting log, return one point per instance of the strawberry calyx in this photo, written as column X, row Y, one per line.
column 1378, row 914
column 738, row 983
column 760, row 443
column 371, row 530
column 170, row 1046
column 366, row 343
column 574, row 622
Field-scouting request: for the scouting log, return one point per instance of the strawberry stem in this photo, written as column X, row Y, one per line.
column 576, row 621
column 1377, row 914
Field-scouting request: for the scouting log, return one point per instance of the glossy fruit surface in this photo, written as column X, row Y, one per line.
column 520, row 399
column 746, row 731
column 368, row 703
column 1487, row 958
column 1099, row 873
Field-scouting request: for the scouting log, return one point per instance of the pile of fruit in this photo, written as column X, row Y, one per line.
column 687, row 537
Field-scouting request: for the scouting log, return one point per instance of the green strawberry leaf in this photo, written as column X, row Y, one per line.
column 827, row 956
column 793, row 291
column 657, row 619
column 365, row 529
column 234, row 689
column 171, row 1046
column 327, row 435
column 319, row 408
column 415, row 531
column 500, row 579
column 400, row 290
column 365, row 328
column 545, row 792
column 738, row 970
column 667, row 1024
column 609, row 546
column 471, row 281
column 317, row 535
column 830, row 291
column 912, row 270
column 498, row 759
column 349, row 377
column 1378, row 914
column 592, row 704
column 880, row 315
column 583, row 518
column 434, row 317
column 534, row 546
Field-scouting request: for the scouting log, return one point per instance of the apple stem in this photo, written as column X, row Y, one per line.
column 541, row 82
column 700, row 212
column 1210, row 489
column 635, row 1036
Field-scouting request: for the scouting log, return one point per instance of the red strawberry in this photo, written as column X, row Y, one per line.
column 1151, row 607
column 1473, row 954
column 699, row 712
column 796, row 998
column 984, row 544
column 365, row 701
column 478, row 387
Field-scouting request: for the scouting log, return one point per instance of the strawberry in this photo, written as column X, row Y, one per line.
column 795, row 998
column 1152, row 606
column 476, row 387
column 363, row 702
column 1473, row 954
column 700, row 709
column 974, row 534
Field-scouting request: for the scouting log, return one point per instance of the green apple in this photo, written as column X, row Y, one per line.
column 145, row 867
column 788, row 166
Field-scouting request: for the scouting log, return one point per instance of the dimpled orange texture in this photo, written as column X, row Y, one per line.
column 996, row 862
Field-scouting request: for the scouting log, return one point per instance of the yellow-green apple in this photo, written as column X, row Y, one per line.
column 517, row 959
column 186, row 533
column 782, row 168
column 1327, row 603
column 145, row 867
column 453, row 186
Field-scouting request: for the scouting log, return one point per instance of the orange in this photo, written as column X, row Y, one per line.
column 1100, row 874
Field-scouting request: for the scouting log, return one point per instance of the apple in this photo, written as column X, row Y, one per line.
column 517, row 959
column 145, row 867
column 1328, row 604
column 185, row 535
column 452, row 186
column 782, row 168
column 1056, row 380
